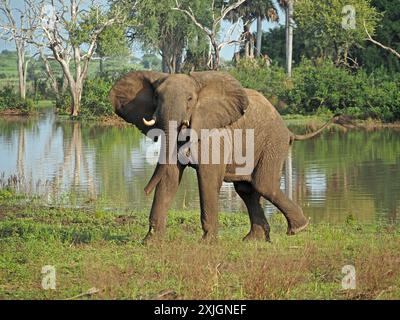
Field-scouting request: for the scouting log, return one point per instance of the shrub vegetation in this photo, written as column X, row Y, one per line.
column 94, row 99
column 317, row 86
column 9, row 99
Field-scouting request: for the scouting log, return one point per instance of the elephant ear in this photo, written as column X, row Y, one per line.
column 221, row 100
column 132, row 97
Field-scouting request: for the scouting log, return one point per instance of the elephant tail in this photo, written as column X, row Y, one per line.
column 302, row 137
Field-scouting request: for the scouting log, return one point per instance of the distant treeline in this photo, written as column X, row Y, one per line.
column 335, row 68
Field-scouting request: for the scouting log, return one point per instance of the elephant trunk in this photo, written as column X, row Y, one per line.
column 167, row 157
column 155, row 179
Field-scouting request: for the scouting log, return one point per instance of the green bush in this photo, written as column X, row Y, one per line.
column 324, row 88
column 270, row 81
column 94, row 101
column 324, row 85
column 383, row 96
column 27, row 105
column 9, row 99
column 95, row 98
column 63, row 103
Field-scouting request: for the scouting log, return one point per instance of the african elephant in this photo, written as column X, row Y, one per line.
column 207, row 100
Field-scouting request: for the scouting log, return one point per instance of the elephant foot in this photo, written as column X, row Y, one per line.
column 292, row 230
column 258, row 234
column 209, row 236
column 153, row 236
column 256, row 237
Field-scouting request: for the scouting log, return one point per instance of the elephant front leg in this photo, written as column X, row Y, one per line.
column 210, row 181
column 163, row 196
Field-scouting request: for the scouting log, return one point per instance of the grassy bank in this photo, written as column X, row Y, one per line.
column 36, row 107
column 315, row 121
column 102, row 249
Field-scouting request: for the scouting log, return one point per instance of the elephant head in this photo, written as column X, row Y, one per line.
column 201, row 100
column 132, row 97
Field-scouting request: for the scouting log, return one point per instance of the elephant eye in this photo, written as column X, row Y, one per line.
column 190, row 98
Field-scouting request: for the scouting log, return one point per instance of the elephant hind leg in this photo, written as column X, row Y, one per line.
column 259, row 227
column 266, row 181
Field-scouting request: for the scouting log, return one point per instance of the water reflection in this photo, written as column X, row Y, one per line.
column 331, row 177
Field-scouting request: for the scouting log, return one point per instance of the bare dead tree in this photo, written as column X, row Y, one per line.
column 18, row 26
column 60, row 22
column 49, row 72
column 212, row 32
column 397, row 54
column 46, row 57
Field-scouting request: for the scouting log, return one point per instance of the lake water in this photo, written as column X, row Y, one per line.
column 333, row 176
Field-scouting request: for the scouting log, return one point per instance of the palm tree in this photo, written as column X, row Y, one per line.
column 264, row 10
column 287, row 5
column 254, row 10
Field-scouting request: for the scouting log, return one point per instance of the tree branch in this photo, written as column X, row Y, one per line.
column 228, row 9
column 212, row 33
column 190, row 14
column 380, row 44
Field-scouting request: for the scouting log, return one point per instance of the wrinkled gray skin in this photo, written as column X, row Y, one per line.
column 212, row 100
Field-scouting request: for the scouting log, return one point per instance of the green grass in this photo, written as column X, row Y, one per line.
column 45, row 104
column 8, row 64
column 298, row 119
column 93, row 247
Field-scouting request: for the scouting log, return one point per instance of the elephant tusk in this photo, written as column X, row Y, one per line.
column 149, row 123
